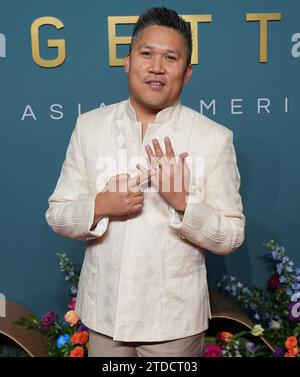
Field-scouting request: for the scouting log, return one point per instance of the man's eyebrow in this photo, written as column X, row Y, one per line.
column 153, row 48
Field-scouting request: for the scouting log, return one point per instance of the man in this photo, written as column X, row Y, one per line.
column 151, row 185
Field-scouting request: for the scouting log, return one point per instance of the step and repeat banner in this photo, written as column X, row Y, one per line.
column 59, row 59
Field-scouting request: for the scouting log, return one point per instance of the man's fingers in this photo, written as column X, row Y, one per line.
column 152, row 158
column 157, row 149
column 169, row 148
column 137, row 200
column 141, row 168
column 145, row 175
column 133, row 185
column 182, row 161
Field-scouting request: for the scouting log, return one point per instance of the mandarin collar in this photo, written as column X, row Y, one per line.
column 162, row 116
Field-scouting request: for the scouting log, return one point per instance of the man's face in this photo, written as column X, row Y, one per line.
column 157, row 68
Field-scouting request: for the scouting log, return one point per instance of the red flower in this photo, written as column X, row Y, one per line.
column 80, row 337
column 77, row 352
column 273, row 281
column 72, row 303
column 224, row 337
column 292, row 352
column 291, row 342
column 213, row 351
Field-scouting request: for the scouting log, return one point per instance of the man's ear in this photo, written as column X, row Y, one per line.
column 127, row 62
column 188, row 73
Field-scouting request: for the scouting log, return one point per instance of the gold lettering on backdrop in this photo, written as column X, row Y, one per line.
column 263, row 19
column 56, row 43
column 194, row 20
column 115, row 40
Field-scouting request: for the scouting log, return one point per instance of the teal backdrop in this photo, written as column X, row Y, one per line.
column 33, row 144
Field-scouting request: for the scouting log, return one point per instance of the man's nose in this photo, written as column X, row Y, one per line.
column 157, row 66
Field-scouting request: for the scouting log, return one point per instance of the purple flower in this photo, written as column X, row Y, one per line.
column 279, row 352
column 294, row 311
column 250, row 347
column 82, row 328
column 48, row 319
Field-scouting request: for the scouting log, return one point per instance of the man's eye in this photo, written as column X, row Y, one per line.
column 171, row 57
column 145, row 53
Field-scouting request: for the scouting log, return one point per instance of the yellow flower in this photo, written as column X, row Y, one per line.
column 257, row 330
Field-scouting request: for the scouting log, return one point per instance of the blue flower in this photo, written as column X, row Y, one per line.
column 282, row 279
column 253, row 306
column 74, row 290
column 285, row 259
column 61, row 340
column 279, row 267
column 296, row 286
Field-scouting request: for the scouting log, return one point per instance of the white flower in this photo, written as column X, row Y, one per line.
column 275, row 325
column 257, row 330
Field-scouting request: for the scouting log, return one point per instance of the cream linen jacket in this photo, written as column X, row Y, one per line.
column 144, row 278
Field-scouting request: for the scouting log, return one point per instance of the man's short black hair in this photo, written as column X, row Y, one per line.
column 161, row 16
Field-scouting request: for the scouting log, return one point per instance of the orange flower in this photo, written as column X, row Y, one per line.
column 290, row 342
column 71, row 317
column 292, row 352
column 224, row 337
column 77, row 352
column 80, row 337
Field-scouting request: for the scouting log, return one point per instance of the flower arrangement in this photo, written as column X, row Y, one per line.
column 226, row 344
column 275, row 310
column 68, row 337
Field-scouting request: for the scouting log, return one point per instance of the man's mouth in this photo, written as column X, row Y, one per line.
column 155, row 84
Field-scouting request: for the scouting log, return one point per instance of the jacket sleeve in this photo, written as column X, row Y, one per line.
column 216, row 222
column 71, row 206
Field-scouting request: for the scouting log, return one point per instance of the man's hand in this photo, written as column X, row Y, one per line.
column 121, row 196
column 170, row 178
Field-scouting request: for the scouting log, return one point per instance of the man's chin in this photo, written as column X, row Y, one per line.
column 154, row 105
